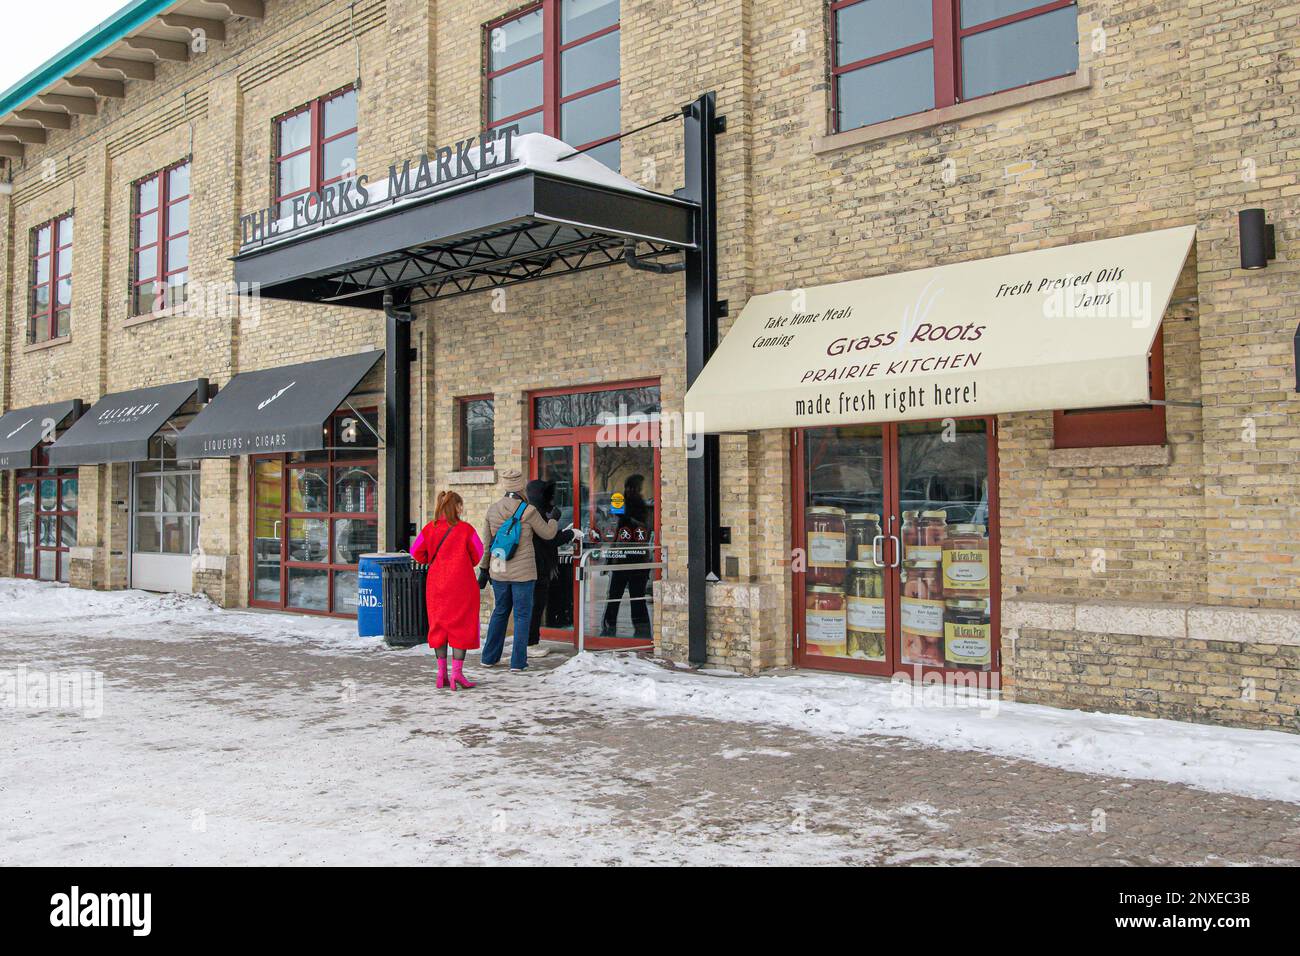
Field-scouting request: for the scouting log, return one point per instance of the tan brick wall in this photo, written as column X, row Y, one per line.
column 1188, row 115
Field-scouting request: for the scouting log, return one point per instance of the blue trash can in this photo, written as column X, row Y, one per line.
column 370, row 591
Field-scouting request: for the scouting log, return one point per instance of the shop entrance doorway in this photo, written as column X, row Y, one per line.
column 46, row 519
column 600, row 447
column 898, row 569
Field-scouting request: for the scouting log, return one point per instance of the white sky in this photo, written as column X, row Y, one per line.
column 31, row 33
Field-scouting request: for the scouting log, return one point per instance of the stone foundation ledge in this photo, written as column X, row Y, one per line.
column 727, row 594
column 1197, row 622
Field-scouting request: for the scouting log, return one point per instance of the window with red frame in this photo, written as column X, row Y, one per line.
column 50, row 306
column 1117, row 427
column 315, row 145
column 160, row 239
column 553, row 68
column 477, row 421
column 893, row 58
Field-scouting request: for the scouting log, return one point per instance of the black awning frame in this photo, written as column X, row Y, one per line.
column 521, row 227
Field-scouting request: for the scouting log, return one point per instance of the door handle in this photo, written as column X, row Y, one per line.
column 898, row 551
column 877, row 551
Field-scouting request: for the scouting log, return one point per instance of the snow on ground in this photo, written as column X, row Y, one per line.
column 1256, row 763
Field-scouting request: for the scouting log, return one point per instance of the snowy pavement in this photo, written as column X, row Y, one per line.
column 208, row 736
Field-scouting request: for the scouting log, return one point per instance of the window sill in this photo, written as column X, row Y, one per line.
column 148, row 317
column 47, row 344
column 1047, row 89
column 1118, row 456
column 473, row 476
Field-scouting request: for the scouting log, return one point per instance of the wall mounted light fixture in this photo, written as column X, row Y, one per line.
column 1258, row 244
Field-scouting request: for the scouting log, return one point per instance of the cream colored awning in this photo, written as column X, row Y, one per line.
column 1062, row 328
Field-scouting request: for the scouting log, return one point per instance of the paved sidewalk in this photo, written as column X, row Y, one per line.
column 218, row 748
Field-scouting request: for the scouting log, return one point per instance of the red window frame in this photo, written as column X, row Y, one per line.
column 160, row 240
column 1118, row 427
column 42, row 471
column 317, row 142
column 550, row 57
column 332, row 461
column 43, row 324
column 946, row 42
column 462, row 447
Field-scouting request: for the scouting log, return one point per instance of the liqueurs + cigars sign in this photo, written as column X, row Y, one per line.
column 465, row 160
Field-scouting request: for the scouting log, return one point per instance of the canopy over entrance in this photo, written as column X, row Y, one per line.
column 545, row 212
column 275, row 409
column 1063, row 328
column 118, row 427
column 24, row 428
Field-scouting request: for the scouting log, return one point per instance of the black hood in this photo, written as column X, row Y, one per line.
column 540, row 494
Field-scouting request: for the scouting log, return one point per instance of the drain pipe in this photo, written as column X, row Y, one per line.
column 645, row 265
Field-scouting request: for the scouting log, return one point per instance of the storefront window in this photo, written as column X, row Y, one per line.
column 896, row 571
column 50, row 300
column 477, row 433
column 160, row 240
column 45, row 520
column 315, row 146
column 897, row 57
column 554, row 68
column 314, row 515
column 166, row 499
column 596, row 407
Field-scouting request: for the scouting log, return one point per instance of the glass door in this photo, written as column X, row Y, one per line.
column 896, row 564
column 556, row 462
column 45, row 520
column 268, row 527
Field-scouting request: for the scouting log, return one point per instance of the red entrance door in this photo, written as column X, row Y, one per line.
column 600, row 447
column 897, row 531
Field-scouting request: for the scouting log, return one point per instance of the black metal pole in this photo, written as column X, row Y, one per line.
column 397, row 427
column 703, row 550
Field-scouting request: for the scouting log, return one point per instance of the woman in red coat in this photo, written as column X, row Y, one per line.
column 452, row 550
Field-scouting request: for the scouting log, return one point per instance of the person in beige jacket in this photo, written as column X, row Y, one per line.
column 512, row 585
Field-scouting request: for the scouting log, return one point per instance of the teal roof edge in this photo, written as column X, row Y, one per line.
column 130, row 17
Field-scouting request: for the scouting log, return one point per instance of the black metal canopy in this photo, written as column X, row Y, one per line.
column 518, row 227
column 119, row 426
column 22, row 429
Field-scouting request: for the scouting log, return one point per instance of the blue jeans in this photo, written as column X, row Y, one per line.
column 519, row 596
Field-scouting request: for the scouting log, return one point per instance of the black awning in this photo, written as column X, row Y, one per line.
column 503, row 231
column 274, row 410
column 22, row 430
column 118, row 426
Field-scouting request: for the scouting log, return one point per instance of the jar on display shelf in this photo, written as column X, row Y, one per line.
column 921, row 613
column 967, row 635
column 966, row 562
column 865, row 611
column 827, row 546
column 863, row 529
column 825, row 621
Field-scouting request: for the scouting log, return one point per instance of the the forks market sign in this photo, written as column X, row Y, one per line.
column 448, row 164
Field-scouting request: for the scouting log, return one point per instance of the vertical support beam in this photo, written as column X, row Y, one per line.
column 703, row 550
column 397, row 427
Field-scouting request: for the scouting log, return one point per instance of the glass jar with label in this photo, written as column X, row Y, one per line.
column 921, row 613
column 825, row 621
column 865, row 611
column 967, row 635
column 966, row 562
column 827, row 546
column 931, row 528
column 863, row 528
column 908, row 533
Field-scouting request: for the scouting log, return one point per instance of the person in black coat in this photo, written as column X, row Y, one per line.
column 541, row 495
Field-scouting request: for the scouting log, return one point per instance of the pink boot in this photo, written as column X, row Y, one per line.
column 458, row 677
column 442, row 674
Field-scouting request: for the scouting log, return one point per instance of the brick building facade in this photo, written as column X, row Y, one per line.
column 1155, row 579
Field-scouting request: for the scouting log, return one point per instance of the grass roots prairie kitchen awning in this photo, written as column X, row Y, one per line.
column 1062, row 328
column 119, row 426
column 274, row 410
